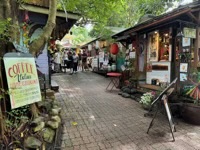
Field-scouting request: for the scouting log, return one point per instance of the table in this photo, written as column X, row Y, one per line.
column 114, row 80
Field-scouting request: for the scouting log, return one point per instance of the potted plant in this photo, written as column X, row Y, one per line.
column 146, row 99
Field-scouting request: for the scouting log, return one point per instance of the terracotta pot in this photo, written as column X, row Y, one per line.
column 191, row 113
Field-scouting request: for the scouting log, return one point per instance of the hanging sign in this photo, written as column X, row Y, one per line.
column 189, row 33
column 22, row 79
column 185, row 41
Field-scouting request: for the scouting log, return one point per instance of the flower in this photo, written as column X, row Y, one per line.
column 146, row 98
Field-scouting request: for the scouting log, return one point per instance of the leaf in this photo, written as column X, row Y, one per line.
column 74, row 123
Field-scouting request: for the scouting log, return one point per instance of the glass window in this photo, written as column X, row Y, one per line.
column 164, row 46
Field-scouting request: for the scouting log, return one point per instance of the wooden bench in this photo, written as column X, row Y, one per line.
column 150, row 87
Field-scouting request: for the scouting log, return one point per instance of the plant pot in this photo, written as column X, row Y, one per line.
column 191, row 113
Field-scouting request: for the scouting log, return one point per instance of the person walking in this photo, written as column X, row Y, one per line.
column 71, row 62
column 75, row 61
column 79, row 61
column 84, row 60
column 57, row 61
column 65, row 58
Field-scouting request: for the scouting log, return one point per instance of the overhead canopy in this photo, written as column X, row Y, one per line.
column 38, row 11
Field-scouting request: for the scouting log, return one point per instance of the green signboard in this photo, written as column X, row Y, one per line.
column 22, row 79
column 189, row 33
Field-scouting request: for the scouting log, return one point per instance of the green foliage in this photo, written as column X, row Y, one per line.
column 147, row 98
column 4, row 29
column 80, row 35
column 15, row 116
column 118, row 13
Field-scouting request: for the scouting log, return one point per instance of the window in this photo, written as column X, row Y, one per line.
column 153, row 46
column 164, row 46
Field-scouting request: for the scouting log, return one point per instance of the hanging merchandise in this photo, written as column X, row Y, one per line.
column 113, row 67
column 114, row 49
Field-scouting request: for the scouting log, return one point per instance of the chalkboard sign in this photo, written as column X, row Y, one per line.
column 169, row 116
column 164, row 91
column 163, row 97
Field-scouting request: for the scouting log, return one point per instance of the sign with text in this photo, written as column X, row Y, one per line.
column 22, row 79
column 189, row 33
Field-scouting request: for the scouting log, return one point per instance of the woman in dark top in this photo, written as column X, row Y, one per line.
column 71, row 64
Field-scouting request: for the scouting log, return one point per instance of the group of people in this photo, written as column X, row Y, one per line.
column 68, row 59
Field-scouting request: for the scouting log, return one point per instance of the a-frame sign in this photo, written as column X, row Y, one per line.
column 163, row 97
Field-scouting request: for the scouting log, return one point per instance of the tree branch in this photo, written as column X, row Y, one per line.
column 38, row 44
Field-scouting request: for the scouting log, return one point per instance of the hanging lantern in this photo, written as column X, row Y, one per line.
column 114, row 49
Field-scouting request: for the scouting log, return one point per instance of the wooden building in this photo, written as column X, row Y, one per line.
column 167, row 46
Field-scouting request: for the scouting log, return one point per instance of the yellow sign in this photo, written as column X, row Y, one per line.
column 22, row 81
column 189, row 33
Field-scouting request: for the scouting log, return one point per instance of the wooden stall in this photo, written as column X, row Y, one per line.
column 167, row 46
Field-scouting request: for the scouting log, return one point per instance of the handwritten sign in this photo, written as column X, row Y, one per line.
column 22, row 79
column 189, row 33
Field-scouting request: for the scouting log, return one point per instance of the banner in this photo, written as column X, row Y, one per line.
column 22, row 79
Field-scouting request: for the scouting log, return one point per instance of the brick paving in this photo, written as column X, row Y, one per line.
column 105, row 120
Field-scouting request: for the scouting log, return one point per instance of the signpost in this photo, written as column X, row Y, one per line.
column 22, row 79
column 163, row 98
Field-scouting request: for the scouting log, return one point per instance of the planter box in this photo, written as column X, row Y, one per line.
column 191, row 113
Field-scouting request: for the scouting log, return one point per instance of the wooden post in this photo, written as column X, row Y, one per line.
column 4, row 104
column 197, row 46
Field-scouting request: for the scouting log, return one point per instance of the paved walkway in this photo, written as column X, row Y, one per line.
column 95, row 119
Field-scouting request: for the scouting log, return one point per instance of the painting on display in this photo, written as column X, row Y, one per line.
column 183, row 77
column 153, row 46
column 185, row 42
column 183, row 67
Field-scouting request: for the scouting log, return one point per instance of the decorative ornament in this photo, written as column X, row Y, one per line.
column 114, row 49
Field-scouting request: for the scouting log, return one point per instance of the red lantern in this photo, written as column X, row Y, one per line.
column 114, row 49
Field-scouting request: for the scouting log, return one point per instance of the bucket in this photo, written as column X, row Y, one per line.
column 109, row 68
column 113, row 68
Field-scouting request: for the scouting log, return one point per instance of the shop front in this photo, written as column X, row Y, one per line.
column 167, row 46
column 103, row 57
column 159, row 57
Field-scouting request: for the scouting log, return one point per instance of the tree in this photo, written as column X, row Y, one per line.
column 81, row 34
column 10, row 9
column 9, row 28
column 118, row 13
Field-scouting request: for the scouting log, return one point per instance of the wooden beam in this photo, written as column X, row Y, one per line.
column 193, row 17
column 41, row 10
column 194, row 10
column 123, row 44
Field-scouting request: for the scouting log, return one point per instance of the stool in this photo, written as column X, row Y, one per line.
column 114, row 80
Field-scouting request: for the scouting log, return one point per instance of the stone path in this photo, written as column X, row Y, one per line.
column 95, row 119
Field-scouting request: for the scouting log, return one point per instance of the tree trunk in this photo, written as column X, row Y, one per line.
column 9, row 9
column 5, row 12
column 38, row 44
